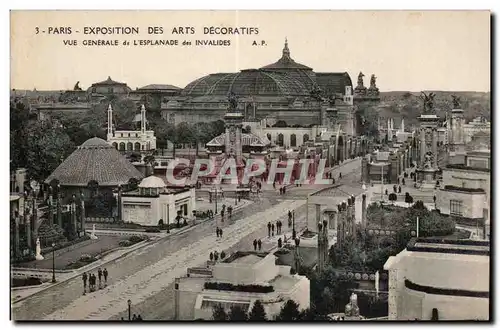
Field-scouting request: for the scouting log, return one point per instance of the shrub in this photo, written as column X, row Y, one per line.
column 125, row 243
column 136, row 239
column 18, row 282
column 152, row 230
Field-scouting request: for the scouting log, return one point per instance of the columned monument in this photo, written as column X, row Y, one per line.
column 457, row 134
column 427, row 161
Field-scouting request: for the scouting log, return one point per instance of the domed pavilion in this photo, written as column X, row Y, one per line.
column 283, row 90
column 93, row 164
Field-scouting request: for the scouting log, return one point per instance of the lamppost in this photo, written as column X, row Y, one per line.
column 53, row 263
column 294, row 233
column 129, row 302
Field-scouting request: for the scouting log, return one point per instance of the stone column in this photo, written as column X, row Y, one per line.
column 435, row 148
column 422, row 147
column 82, row 214
column 27, row 222
column 119, row 204
column 363, row 210
column 16, row 236
column 59, row 211
column 335, row 219
column 74, row 225
column 318, row 215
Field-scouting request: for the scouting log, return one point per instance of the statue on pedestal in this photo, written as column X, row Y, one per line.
column 352, row 309
column 92, row 234
column 38, row 255
column 456, row 102
column 428, row 103
column 233, row 102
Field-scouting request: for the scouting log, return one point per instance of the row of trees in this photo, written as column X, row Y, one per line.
column 40, row 146
column 290, row 311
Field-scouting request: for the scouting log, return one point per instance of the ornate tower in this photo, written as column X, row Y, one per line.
column 457, row 137
column 427, row 163
column 143, row 120
column 110, row 123
column 234, row 123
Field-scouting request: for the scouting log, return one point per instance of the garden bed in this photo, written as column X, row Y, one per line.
column 132, row 240
column 27, row 281
column 83, row 261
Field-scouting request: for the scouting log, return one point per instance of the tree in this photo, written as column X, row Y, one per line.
column 289, row 312
column 237, row 313
column 219, row 314
column 393, row 197
column 257, row 313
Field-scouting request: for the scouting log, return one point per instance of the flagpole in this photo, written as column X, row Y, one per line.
column 417, row 225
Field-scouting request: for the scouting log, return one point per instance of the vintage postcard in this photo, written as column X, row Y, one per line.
column 250, row 165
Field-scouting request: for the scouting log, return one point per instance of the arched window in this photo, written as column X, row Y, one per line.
column 280, row 140
column 115, row 145
column 306, row 138
column 137, row 146
column 293, row 140
column 130, row 146
column 122, row 146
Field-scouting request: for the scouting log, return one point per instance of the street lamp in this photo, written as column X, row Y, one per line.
column 53, row 263
column 294, row 233
column 129, row 302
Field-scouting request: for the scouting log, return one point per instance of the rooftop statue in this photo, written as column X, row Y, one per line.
column 317, row 94
column 428, row 102
column 456, row 101
column 77, row 86
column 360, row 80
column 373, row 82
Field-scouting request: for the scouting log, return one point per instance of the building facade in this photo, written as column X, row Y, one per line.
column 142, row 141
column 240, row 279
column 454, row 286
column 152, row 201
column 465, row 188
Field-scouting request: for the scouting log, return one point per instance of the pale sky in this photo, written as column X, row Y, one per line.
column 424, row 50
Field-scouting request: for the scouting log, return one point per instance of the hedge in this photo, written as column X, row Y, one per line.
column 240, row 288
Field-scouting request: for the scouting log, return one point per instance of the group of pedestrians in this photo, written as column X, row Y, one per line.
column 92, row 279
column 257, row 243
column 137, row 317
column 271, row 227
column 282, row 190
column 218, row 232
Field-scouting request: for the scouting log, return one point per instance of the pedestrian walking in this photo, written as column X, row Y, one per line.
column 274, row 185
column 217, row 231
column 220, row 232
column 99, row 274
column 278, row 227
column 139, row 317
column 259, row 243
column 289, row 218
column 105, row 273
column 284, row 190
column 216, row 256
column 281, row 190
column 84, row 278
column 134, row 317
column 272, row 229
column 269, row 229
column 255, row 245
column 91, row 283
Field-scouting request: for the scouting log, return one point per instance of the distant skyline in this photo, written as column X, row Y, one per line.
column 407, row 51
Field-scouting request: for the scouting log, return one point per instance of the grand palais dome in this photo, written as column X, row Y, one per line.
column 282, row 78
